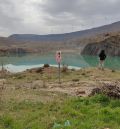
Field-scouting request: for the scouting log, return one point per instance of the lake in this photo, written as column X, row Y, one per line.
column 21, row 63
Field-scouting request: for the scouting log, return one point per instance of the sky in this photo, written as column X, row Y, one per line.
column 55, row 16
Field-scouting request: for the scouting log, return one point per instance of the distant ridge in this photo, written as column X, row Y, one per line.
column 114, row 27
column 89, row 42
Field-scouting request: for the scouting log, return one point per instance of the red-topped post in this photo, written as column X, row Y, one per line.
column 58, row 60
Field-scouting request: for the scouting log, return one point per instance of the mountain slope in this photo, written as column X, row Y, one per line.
column 88, row 41
column 67, row 36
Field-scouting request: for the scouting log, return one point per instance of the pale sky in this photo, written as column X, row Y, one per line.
column 55, row 16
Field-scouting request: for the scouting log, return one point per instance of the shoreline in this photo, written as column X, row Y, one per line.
column 22, row 68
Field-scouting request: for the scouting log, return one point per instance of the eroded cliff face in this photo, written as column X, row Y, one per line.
column 8, row 51
column 111, row 45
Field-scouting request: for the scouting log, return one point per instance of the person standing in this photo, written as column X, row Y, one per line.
column 102, row 57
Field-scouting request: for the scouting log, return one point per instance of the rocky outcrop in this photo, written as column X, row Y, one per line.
column 8, row 51
column 111, row 45
column 111, row 90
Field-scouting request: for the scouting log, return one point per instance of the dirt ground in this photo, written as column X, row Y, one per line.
column 42, row 85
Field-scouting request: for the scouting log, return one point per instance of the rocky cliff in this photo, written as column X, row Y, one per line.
column 111, row 45
column 10, row 51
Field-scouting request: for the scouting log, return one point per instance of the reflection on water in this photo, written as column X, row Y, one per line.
column 110, row 62
column 32, row 60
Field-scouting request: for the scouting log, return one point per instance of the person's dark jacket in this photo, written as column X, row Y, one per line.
column 102, row 55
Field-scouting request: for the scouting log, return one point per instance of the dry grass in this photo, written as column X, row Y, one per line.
column 45, row 87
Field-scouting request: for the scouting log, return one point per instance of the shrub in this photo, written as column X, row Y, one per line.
column 64, row 69
column 7, row 122
column 102, row 99
column 115, row 104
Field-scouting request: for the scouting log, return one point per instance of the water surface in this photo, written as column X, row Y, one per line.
column 21, row 63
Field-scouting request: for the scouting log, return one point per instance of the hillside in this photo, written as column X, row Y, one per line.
column 69, row 42
column 61, row 37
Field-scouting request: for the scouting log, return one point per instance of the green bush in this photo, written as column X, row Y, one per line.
column 101, row 99
column 115, row 104
column 7, row 122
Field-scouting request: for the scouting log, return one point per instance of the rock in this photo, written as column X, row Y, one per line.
column 107, row 34
column 95, row 91
column 72, row 69
column 34, row 87
column 75, row 80
column 39, row 70
column 46, row 65
column 1, row 88
column 17, row 87
column 80, row 93
column 111, row 90
column 113, row 70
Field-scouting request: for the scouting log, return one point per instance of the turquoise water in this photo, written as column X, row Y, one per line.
column 69, row 59
column 110, row 62
column 34, row 59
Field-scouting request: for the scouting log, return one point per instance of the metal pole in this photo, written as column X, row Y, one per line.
column 2, row 69
column 59, row 73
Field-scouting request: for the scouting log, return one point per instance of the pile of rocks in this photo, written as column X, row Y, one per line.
column 110, row 89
